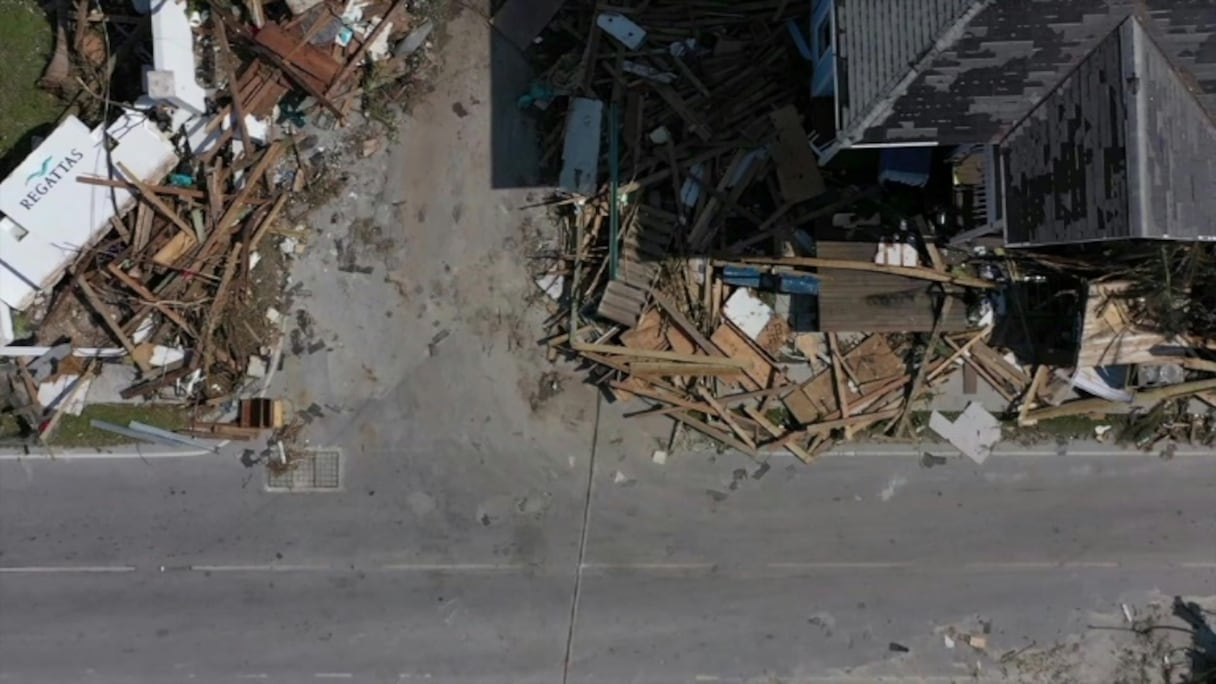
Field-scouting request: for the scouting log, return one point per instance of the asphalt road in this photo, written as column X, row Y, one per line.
column 169, row 570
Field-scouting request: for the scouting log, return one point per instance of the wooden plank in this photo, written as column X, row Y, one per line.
column 647, row 334
column 1031, row 395
column 871, row 360
column 841, row 382
column 696, row 124
column 227, row 59
column 797, row 168
column 724, row 413
column 656, row 355
column 304, row 56
column 158, row 189
column 757, row 371
column 922, row 369
column 790, row 444
column 712, row 432
column 174, row 249
column 150, row 297
column 103, row 313
column 918, row 272
column 149, row 196
column 672, row 369
column 686, row 326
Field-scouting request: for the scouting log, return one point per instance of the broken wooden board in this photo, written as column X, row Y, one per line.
column 797, row 168
column 870, row 361
column 647, row 334
column 174, row 249
column 305, row 57
column 757, row 373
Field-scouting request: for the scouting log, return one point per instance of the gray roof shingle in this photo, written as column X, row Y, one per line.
column 1066, row 162
column 879, row 40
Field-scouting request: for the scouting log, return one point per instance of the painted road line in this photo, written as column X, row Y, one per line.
column 267, row 567
column 841, row 565
column 1038, row 565
column 455, row 567
column 64, row 569
column 103, row 455
column 648, row 566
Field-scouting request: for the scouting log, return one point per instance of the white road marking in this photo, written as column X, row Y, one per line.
column 1038, row 565
column 1205, row 565
column 453, row 567
column 63, row 569
column 648, row 566
column 102, row 455
column 841, row 565
column 260, row 568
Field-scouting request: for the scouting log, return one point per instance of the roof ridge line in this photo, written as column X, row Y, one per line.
column 1060, row 84
column 944, row 40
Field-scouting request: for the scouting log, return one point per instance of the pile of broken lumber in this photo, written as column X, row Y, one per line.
column 172, row 287
column 709, row 172
column 692, row 204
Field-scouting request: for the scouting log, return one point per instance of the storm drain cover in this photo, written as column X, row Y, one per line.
column 312, row 471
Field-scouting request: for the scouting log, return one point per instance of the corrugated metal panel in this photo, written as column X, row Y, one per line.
column 1066, row 162
column 851, row 301
column 879, row 41
column 1175, row 160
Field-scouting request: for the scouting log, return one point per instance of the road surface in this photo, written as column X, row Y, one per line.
column 181, row 570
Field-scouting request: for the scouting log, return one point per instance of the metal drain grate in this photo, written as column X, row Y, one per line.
column 314, row 471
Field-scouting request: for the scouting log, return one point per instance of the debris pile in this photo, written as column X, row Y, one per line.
column 139, row 242
column 710, row 268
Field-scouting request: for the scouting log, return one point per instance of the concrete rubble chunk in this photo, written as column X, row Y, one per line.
column 414, row 40
column 975, row 433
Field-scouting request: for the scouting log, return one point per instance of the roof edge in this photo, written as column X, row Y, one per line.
column 883, row 105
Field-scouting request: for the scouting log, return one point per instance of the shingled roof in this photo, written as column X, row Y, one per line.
column 1105, row 110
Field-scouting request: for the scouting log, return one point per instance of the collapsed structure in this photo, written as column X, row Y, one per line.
column 727, row 264
column 132, row 249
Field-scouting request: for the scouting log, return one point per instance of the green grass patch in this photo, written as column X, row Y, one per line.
column 26, row 42
column 75, row 431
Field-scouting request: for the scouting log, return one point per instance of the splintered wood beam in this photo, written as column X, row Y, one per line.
column 676, row 369
column 226, row 57
column 790, row 444
column 724, row 413
column 151, row 298
column 917, row 272
column 840, row 381
column 103, row 313
column 158, row 189
column 691, row 359
column 918, row 381
column 714, row 433
column 146, row 192
column 1040, row 376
